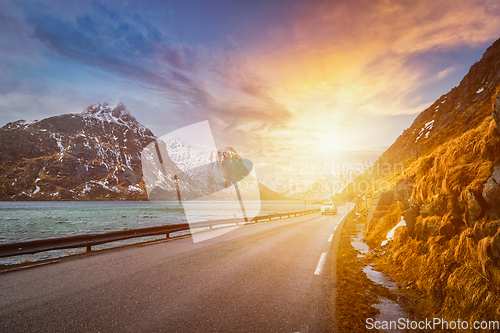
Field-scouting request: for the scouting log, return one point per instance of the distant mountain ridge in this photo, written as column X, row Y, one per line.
column 324, row 187
column 92, row 155
column 191, row 173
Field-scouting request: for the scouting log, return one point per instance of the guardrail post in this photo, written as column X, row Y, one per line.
column 88, row 248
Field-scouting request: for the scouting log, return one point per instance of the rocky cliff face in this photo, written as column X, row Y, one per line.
column 453, row 155
column 93, row 155
column 461, row 109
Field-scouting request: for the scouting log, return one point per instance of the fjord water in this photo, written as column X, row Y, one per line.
column 29, row 220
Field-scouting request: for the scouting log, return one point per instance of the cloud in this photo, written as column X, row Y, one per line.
column 367, row 43
column 445, row 72
column 402, row 26
column 342, row 63
column 341, row 67
column 130, row 47
column 284, row 77
column 98, row 39
column 119, row 45
column 16, row 44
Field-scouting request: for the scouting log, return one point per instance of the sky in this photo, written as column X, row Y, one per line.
column 291, row 85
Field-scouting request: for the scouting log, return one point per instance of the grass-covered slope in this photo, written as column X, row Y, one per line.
column 443, row 174
column 452, row 256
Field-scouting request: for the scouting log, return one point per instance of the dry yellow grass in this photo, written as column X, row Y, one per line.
column 453, row 268
column 461, row 164
column 381, row 223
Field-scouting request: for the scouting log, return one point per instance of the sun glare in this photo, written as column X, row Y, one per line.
column 330, row 142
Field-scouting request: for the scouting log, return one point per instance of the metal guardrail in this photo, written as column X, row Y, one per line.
column 89, row 240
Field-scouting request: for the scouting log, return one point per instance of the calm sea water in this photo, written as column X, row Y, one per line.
column 22, row 221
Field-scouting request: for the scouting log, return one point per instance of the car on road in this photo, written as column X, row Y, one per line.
column 328, row 208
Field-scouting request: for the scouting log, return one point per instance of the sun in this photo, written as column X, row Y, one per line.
column 330, row 142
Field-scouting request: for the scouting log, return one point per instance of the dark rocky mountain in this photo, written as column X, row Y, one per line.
column 461, row 109
column 93, row 155
column 96, row 155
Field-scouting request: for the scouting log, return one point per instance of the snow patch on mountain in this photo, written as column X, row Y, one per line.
column 425, row 131
column 192, row 160
column 114, row 112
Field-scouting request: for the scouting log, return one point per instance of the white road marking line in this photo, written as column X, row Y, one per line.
column 321, row 263
column 330, row 238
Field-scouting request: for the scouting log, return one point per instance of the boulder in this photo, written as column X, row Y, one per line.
column 491, row 194
column 383, row 199
column 415, row 207
column 487, row 230
column 411, row 220
column 473, row 210
column 400, row 236
column 496, row 112
column 427, row 227
column 419, row 231
column 436, row 207
column 432, row 227
column 428, row 209
column 380, row 201
column 403, row 190
column 495, row 247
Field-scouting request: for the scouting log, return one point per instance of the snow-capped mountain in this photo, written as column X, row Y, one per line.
column 96, row 155
column 197, row 162
column 90, row 155
column 114, row 112
column 330, row 184
column 175, row 170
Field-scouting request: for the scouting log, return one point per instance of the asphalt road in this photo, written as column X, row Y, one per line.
column 265, row 277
